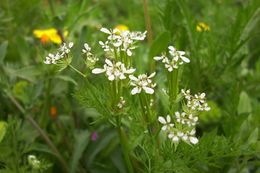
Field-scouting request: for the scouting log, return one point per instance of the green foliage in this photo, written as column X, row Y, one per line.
column 224, row 64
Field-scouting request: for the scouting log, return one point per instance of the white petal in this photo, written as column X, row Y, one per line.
column 133, row 78
column 187, row 60
column 181, row 53
column 128, row 52
column 98, row 70
column 135, row 90
column 175, row 139
column 202, row 95
column 177, row 114
column 117, row 44
column 158, row 58
column 111, row 77
column 109, row 62
column 185, row 137
column 152, row 75
column 164, row 128
column 194, row 140
column 101, row 43
column 170, row 135
column 148, row 90
column 161, row 120
column 129, row 71
column 168, row 118
column 192, row 132
column 171, row 48
column 105, row 30
column 71, row 44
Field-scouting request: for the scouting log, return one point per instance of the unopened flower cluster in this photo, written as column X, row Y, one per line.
column 118, row 40
column 34, row 162
column 177, row 59
column 62, row 52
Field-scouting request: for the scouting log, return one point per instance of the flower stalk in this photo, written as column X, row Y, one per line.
column 172, row 87
column 124, row 145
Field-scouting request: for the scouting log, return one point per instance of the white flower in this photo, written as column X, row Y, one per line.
column 65, row 48
column 62, row 51
column 196, row 102
column 193, row 140
column 185, row 119
column 173, row 137
column 177, row 59
column 91, row 59
column 121, row 103
column 142, row 82
column 182, row 130
column 121, row 40
column 114, row 71
column 105, row 46
column 166, row 122
column 179, row 54
column 86, row 48
column 138, row 35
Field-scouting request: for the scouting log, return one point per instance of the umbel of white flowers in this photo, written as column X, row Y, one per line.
column 184, row 124
column 63, row 50
column 196, row 102
column 177, row 59
column 91, row 59
column 114, row 71
column 142, row 82
column 175, row 133
column 121, row 40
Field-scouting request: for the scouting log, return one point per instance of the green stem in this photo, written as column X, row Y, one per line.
column 76, row 70
column 123, row 142
column 173, row 88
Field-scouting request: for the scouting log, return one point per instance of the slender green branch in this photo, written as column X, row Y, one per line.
column 173, row 88
column 123, row 142
column 76, row 70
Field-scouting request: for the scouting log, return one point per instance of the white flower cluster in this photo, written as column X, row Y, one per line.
column 121, row 103
column 177, row 59
column 91, row 59
column 142, row 82
column 34, row 162
column 196, row 102
column 186, row 119
column 177, row 131
column 114, row 71
column 121, row 40
column 63, row 51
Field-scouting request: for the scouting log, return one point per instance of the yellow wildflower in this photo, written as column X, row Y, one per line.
column 201, row 27
column 121, row 28
column 49, row 35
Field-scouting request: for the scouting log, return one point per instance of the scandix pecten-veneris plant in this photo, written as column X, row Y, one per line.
column 179, row 125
